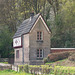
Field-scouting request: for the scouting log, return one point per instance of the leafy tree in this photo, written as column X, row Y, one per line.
column 6, row 49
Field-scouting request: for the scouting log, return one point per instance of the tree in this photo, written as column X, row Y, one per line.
column 6, row 49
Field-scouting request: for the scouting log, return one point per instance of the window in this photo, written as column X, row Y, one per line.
column 17, row 54
column 39, row 53
column 39, row 35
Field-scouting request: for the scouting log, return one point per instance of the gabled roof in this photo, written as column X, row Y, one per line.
column 26, row 26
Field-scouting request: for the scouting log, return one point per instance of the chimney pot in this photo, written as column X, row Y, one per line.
column 32, row 14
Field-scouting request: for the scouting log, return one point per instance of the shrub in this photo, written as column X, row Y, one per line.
column 24, row 68
column 43, row 69
column 72, row 57
column 45, row 60
column 58, row 56
column 61, row 70
column 35, row 69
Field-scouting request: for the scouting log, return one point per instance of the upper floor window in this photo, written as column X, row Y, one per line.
column 39, row 35
column 17, row 54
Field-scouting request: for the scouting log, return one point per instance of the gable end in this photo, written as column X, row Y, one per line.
column 46, row 26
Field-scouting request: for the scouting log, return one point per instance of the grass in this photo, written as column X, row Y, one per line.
column 4, row 62
column 56, row 61
column 64, row 62
column 11, row 72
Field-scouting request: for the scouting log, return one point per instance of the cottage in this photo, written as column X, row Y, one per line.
column 31, row 42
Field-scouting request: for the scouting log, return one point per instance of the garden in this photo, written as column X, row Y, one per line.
column 55, row 64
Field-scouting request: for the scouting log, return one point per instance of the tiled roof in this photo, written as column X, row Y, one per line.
column 26, row 26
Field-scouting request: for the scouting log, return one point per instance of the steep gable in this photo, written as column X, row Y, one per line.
column 46, row 26
column 28, row 24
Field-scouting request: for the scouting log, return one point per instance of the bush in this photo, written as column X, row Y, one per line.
column 45, row 60
column 58, row 56
column 35, row 69
column 24, row 68
column 61, row 70
column 72, row 57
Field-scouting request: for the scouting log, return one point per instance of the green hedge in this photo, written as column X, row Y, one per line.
column 59, row 56
column 61, row 70
column 43, row 69
column 24, row 68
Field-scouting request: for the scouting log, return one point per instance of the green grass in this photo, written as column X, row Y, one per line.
column 11, row 72
column 56, row 61
column 4, row 62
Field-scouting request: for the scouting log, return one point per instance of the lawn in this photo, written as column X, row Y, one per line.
column 10, row 72
column 4, row 62
column 64, row 62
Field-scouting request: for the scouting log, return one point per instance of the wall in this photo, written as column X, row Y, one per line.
column 18, row 60
column 9, row 60
column 5, row 67
column 26, row 48
column 4, row 59
column 34, row 45
column 54, row 50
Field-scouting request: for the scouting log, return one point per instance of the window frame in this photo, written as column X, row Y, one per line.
column 39, row 54
column 39, row 35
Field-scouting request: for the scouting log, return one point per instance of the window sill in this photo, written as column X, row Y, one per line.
column 38, row 58
column 39, row 41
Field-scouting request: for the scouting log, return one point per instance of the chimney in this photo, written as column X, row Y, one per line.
column 32, row 14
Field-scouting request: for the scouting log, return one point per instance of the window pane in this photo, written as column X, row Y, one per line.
column 39, row 53
column 39, row 35
column 17, row 54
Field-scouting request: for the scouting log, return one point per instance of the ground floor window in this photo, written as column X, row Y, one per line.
column 17, row 54
column 39, row 53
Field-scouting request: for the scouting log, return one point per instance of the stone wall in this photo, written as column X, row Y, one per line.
column 4, row 59
column 55, row 50
column 34, row 44
column 5, row 67
column 9, row 60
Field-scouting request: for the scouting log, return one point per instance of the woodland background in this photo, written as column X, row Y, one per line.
column 58, row 14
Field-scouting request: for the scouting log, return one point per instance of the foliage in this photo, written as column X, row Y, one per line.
column 45, row 60
column 61, row 70
column 63, row 29
column 6, row 49
column 58, row 56
column 58, row 14
column 72, row 57
column 24, row 68
column 43, row 69
column 11, row 72
column 4, row 62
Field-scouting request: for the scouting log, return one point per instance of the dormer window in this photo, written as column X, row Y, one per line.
column 39, row 35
